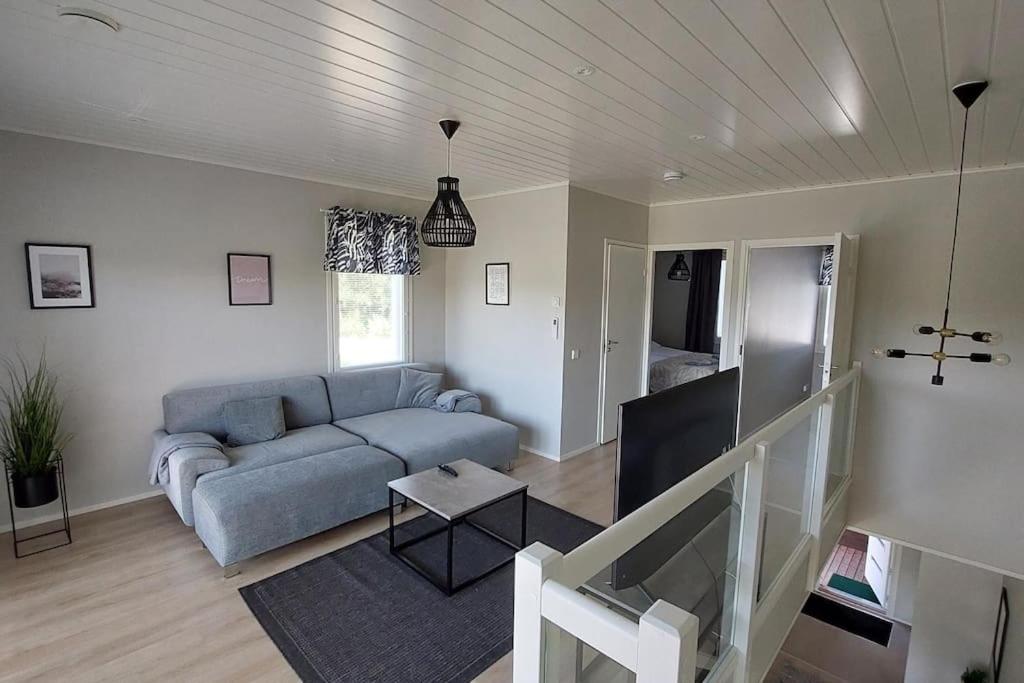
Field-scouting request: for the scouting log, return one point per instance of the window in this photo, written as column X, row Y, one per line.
column 369, row 323
column 721, row 300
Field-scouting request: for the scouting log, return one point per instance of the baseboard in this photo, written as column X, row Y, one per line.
column 23, row 523
column 579, row 451
column 537, row 452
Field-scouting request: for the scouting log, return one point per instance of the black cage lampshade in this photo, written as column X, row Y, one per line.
column 679, row 270
column 448, row 223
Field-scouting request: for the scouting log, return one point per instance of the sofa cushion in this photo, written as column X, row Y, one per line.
column 304, row 400
column 418, row 389
column 425, row 438
column 295, row 444
column 262, row 509
column 361, row 392
column 253, row 420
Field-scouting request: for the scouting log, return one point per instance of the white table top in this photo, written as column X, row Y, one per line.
column 453, row 497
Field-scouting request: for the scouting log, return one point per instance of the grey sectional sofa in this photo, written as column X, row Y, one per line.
column 344, row 441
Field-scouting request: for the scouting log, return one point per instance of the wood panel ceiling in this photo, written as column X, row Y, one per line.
column 742, row 95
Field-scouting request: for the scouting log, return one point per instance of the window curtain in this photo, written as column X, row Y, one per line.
column 702, row 306
column 371, row 242
column 825, row 276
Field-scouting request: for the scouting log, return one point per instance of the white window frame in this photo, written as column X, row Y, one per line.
column 333, row 359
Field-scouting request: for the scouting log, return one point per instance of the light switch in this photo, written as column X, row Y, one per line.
column 574, row 354
column 556, row 301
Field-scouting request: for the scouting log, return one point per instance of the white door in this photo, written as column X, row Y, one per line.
column 840, row 313
column 876, row 567
column 623, row 341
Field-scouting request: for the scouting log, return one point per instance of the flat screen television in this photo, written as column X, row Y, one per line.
column 664, row 438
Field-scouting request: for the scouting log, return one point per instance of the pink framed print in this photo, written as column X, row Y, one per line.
column 249, row 280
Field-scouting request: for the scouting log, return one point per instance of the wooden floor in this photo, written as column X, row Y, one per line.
column 137, row 598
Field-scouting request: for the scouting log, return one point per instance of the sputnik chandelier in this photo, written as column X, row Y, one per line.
column 967, row 93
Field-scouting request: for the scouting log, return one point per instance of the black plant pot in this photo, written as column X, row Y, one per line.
column 35, row 490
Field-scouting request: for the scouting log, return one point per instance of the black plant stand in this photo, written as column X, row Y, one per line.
column 66, row 530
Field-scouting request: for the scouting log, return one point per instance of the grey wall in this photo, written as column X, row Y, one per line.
column 671, row 299
column 1013, row 654
column 508, row 353
column 937, row 467
column 954, row 620
column 906, row 584
column 592, row 218
column 159, row 230
column 778, row 350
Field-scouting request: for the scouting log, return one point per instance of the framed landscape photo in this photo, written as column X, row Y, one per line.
column 59, row 275
column 496, row 284
column 249, row 280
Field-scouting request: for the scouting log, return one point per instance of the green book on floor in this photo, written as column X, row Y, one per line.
column 852, row 587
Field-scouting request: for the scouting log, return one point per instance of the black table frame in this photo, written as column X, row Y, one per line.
column 447, row 585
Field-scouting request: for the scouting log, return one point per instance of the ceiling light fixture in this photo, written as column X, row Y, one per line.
column 679, row 270
column 448, row 223
column 673, row 176
column 584, row 70
column 967, row 93
column 697, row 137
column 89, row 14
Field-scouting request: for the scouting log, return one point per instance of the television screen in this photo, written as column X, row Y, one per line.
column 664, row 438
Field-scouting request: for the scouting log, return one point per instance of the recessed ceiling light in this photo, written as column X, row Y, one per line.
column 673, row 176
column 697, row 137
column 89, row 14
column 584, row 70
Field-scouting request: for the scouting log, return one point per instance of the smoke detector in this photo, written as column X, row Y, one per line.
column 584, row 70
column 90, row 15
column 697, row 137
column 673, row 176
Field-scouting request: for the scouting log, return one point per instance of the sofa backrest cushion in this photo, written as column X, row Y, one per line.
column 201, row 410
column 360, row 392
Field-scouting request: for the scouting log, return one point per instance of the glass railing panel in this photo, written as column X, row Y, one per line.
column 839, row 439
column 789, row 480
column 592, row 666
column 689, row 562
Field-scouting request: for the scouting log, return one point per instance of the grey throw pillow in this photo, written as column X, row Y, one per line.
column 253, row 420
column 418, row 389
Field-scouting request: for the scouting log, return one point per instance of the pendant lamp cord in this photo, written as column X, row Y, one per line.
column 956, row 216
column 450, row 162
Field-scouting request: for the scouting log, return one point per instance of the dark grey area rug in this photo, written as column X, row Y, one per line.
column 360, row 614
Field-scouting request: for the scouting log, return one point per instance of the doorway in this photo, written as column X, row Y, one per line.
column 858, row 572
column 796, row 318
column 622, row 323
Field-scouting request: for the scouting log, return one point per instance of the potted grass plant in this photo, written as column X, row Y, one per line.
column 31, row 438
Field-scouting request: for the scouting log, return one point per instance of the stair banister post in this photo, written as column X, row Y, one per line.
column 535, row 657
column 748, row 563
column 667, row 646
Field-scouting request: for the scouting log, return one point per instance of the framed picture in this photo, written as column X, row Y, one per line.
column 496, row 284
column 59, row 275
column 249, row 280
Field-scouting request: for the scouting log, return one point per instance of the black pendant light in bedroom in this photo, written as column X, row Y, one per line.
column 967, row 93
column 448, row 223
column 679, row 270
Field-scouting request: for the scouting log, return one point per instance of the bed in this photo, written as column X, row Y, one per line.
column 669, row 367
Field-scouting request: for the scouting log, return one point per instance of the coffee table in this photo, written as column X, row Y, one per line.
column 453, row 499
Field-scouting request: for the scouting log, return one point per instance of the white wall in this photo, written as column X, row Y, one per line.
column 592, row 219
column 937, row 467
column 954, row 620
column 906, row 585
column 508, row 354
column 159, row 230
column 671, row 301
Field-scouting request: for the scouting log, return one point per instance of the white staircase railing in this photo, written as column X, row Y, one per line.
column 788, row 484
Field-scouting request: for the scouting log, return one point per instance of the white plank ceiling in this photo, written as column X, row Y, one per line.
column 742, row 95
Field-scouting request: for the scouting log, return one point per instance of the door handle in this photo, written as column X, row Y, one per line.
column 831, row 367
column 608, row 345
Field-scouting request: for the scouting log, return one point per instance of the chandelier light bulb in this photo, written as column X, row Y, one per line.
column 993, row 338
column 878, row 354
column 1001, row 359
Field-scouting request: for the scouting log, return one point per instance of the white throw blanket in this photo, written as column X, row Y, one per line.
column 165, row 446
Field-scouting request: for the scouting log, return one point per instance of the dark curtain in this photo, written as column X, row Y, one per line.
column 702, row 306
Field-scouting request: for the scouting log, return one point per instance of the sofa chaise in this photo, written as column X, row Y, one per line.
column 344, row 441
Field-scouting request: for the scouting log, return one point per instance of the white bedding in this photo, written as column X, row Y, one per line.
column 669, row 367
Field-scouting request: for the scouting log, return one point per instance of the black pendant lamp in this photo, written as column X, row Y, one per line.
column 967, row 93
column 679, row 270
column 448, row 223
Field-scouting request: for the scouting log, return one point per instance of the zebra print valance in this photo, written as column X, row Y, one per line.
column 371, row 242
column 825, row 275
